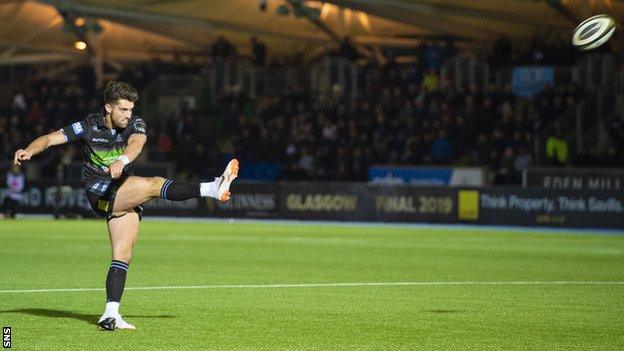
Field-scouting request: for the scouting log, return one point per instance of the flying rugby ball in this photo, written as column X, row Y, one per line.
column 593, row 32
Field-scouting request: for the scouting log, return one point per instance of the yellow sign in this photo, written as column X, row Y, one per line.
column 468, row 201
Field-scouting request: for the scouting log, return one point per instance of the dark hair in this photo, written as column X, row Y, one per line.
column 119, row 90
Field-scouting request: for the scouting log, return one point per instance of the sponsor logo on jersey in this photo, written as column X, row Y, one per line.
column 77, row 127
column 119, row 139
column 99, row 140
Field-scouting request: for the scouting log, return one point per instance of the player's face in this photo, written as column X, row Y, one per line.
column 121, row 112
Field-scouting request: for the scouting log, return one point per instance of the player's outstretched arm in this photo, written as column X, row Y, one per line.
column 133, row 149
column 38, row 146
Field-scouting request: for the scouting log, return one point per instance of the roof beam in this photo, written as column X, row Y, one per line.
column 317, row 22
column 39, row 47
column 563, row 10
column 155, row 29
column 426, row 20
column 47, row 54
column 132, row 15
column 11, row 19
column 32, row 35
column 427, row 7
column 36, row 58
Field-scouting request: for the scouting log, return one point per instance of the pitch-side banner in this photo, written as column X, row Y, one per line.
column 427, row 176
column 577, row 179
column 249, row 200
column 535, row 207
column 46, row 197
column 365, row 202
column 325, row 201
column 412, row 204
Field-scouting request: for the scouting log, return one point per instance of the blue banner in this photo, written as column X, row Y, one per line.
column 528, row 81
column 439, row 176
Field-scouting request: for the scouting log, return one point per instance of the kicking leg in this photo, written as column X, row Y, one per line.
column 138, row 190
column 123, row 230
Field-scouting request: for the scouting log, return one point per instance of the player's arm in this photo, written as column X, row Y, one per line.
column 132, row 151
column 39, row 145
column 138, row 137
column 135, row 146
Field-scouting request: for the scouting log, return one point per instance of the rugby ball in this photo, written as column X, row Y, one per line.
column 593, row 32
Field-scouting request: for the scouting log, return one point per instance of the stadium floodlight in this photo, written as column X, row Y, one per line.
column 80, row 45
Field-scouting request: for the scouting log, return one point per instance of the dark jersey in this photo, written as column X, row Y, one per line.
column 102, row 146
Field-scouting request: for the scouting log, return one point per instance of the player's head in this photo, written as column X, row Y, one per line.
column 119, row 98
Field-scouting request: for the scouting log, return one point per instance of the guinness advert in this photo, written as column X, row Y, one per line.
column 253, row 200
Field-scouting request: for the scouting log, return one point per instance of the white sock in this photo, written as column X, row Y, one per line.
column 210, row 189
column 112, row 309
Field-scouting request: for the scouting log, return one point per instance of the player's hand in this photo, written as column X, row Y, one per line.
column 116, row 168
column 21, row 155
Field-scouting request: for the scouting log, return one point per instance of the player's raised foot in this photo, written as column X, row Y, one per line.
column 230, row 173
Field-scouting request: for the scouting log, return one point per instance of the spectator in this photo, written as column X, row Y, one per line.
column 501, row 52
column 521, row 163
column 507, row 173
column 15, row 182
column 441, row 149
column 259, row 52
column 616, row 132
column 259, row 61
column 222, row 48
column 434, row 54
column 430, row 81
column 347, row 50
column 450, row 50
column 557, row 149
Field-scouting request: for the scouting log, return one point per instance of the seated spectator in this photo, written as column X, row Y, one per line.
column 441, row 149
column 430, row 81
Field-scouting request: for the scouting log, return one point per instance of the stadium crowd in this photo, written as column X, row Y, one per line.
column 402, row 117
column 397, row 121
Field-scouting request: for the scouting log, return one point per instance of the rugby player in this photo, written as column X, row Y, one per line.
column 113, row 139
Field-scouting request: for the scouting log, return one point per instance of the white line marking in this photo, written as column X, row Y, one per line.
column 322, row 285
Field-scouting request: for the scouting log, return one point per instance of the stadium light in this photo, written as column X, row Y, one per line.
column 80, row 45
column 79, row 21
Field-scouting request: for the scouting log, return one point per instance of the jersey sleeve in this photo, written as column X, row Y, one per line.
column 138, row 126
column 75, row 131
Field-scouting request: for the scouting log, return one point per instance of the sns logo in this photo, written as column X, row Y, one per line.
column 6, row 337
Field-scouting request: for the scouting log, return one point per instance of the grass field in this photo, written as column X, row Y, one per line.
column 269, row 286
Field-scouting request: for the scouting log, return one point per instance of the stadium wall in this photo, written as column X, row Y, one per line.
column 366, row 202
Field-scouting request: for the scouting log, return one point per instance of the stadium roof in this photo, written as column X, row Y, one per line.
column 42, row 31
